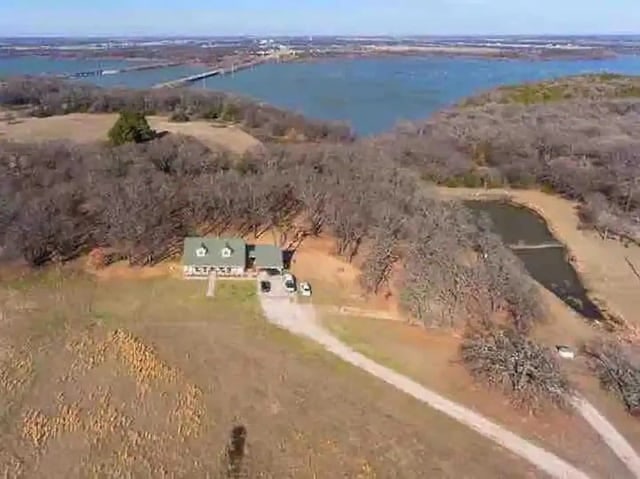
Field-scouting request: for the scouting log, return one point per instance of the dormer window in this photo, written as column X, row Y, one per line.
column 202, row 251
column 226, row 252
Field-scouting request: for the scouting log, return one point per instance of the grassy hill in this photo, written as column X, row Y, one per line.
column 104, row 378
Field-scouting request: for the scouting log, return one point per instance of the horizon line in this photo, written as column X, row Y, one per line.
column 318, row 35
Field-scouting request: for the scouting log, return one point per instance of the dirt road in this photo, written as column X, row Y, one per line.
column 618, row 444
column 300, row 320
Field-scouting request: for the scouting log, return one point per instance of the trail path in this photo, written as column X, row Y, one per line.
column 300, row 320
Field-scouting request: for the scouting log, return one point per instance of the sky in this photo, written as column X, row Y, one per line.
column 307, row 17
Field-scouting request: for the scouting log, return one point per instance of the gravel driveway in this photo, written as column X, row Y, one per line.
column 300, row 319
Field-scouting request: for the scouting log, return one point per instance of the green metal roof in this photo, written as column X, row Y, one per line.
column 212, row 249
column 267, row 256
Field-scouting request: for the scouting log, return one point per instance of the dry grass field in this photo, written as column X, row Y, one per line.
column 431, row 358
column 89, row 128
column 125, row 377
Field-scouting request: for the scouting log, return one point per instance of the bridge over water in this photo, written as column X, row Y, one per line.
column 218, row 71
column 103, row 71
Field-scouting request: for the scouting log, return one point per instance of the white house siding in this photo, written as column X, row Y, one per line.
column 192, row 271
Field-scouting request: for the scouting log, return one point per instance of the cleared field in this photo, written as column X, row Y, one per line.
column 88, row 128
column 149, row 378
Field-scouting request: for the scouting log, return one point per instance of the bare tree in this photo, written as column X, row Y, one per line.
column 525, row 371
column 617, row 365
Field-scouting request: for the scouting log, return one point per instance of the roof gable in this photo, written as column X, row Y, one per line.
column 202, row 251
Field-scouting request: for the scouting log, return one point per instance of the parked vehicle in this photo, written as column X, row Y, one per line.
column 305, row 289
column 265, row 286
column 289, row 282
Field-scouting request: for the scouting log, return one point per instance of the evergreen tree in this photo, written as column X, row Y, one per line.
column 130, row 127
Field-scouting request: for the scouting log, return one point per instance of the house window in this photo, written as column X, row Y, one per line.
column 226, row 252
column 201, row 252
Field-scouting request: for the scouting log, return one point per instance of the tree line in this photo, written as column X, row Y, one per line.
column 43, row 97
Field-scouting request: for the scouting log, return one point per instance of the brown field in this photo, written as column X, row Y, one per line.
column 431, row 358
column 89, row 128
column 105, row 377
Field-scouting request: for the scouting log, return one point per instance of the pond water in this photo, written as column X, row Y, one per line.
column 549, row 266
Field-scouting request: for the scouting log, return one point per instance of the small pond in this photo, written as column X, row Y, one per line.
column 549, row 266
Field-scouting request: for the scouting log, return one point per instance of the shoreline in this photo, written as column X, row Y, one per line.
column 375, row 52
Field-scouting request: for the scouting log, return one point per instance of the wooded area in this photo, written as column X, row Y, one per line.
column 43, row 97
column 61, row 200
column 578, row 137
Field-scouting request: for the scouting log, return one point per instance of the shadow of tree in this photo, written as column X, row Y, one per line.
column 236, row 451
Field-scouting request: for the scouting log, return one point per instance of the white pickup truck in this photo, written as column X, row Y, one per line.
column 305, row 289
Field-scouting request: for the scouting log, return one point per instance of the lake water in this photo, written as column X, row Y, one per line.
column 33, row 65
column 137, row 79
column 372, row 94
column 549, row 266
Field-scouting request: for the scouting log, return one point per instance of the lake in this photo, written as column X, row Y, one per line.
column 372, row 94
column 137, row 79
column 549, row 266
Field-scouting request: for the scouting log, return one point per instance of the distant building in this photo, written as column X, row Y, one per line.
column 203, row 256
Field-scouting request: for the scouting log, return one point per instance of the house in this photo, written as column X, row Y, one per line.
column 228, row 257
column 265, row 257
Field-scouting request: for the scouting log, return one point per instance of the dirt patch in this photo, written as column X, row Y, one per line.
column 213, row 135
column 336, row 281
column 90, row 128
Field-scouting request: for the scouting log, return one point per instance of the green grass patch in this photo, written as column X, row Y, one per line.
column 589, row 87
column 343, row 329
column 531, row 94
column 241, row 292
